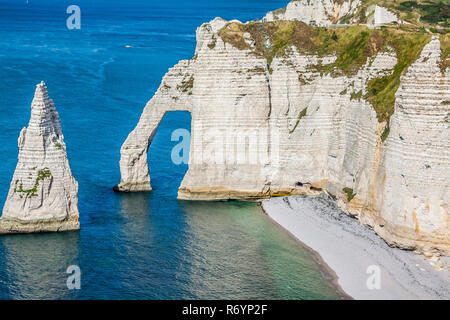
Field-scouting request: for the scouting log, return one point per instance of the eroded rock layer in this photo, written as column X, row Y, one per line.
column 43, row 196
column 174, row 94
column 373, row 132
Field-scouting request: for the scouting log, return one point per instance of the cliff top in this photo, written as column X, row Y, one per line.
column 433, row 14
column 353, row 46
column 420, row 12
column 427, row 13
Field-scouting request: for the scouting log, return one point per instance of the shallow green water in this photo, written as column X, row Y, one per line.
column 271, row 263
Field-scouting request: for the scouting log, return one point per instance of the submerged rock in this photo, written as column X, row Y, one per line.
column 43, row 196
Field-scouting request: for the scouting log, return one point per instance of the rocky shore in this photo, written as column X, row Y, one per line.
column 366, row 266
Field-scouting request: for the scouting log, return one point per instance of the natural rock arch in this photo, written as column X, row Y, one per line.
column 309, row 127
column 174, row 94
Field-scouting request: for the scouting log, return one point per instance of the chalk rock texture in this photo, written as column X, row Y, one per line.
column 260, row 131
column 43, row 196
column 414, row 173
column 175, row 93
column 377, row 16
column 320, row 12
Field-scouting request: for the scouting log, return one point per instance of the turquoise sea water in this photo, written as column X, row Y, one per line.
column 130, row 246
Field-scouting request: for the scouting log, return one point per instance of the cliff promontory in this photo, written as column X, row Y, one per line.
column 43, row 196
column 282, row 107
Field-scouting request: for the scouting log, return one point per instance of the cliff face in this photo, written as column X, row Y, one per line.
column 43, row 195
column 281, row 108
column 320, row 12
column 430, row 13
column 412, row 194
column 378, row 16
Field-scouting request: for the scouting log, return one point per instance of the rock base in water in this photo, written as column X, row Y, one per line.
column 136, row 187
column 10, row 226
column 224, row 194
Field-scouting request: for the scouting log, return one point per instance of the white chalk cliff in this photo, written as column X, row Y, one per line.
column 263, row 129
column 320, row 12
column 332, row 12
column 43, row 196
column 377, row 16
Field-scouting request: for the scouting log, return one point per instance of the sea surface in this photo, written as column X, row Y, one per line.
column 131, row 246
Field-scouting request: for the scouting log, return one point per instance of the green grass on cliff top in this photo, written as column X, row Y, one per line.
column 381, row 91
column 428, row 13
column 353, row 46
column 445, row 48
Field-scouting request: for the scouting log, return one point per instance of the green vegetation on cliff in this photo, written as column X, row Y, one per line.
column 445, row 48
column 350, row 194
column 41, row 176
column 429, row 13
column 352, row 46
column 381, row 91
column 186, row 85
column 300, row 116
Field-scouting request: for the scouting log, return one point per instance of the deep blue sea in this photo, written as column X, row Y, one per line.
column 130, row 246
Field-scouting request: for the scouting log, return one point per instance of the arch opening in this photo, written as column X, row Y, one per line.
column 155, row 137
column 168, row 151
